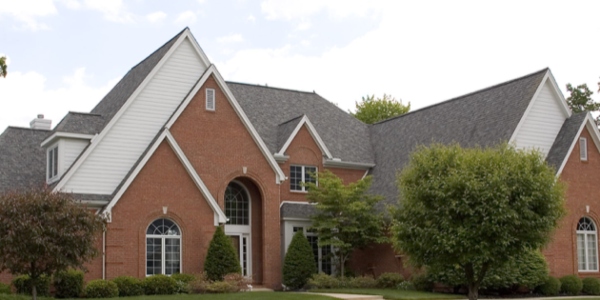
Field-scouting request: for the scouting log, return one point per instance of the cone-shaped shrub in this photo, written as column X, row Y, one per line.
column 299, row 263
column 221, row 258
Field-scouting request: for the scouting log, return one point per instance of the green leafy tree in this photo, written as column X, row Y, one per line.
column 299, row 263
column 580, row 98
column 221, row 258
column 3, row 67
column 42, row 233
column 371, row 110
column 475, row 208
column 346, row 217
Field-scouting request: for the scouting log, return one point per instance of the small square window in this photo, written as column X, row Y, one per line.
column 300, row 174
column 583, row 154
column 210, row 99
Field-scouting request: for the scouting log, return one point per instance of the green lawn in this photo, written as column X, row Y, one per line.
column 394, row 294
column 232, row 296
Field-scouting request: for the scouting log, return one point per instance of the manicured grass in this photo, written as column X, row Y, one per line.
column 232, row 296
column 394, row 294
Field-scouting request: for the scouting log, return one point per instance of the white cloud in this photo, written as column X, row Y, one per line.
column 230, row 39
column 113, row 10
column 300, row 9
column 27, row 95
column 27, row 13
column 251, row 18
column 156, row 17
column 304, row 25
column 187, row 17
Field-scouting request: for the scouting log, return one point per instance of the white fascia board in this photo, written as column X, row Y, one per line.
column 313, row 132
column 219, row 214
column 528, row 109
column 591, row 125
column 196, row 46
column 328, row 163
column 295, row 202
column 69, row 135
column 190, row 96
column 98, row 139
column 563, row 102
column 280, row 176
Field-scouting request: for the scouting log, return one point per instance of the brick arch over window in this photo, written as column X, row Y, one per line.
column 587, row 245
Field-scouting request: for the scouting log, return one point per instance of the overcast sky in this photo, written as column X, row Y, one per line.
column 65, row 55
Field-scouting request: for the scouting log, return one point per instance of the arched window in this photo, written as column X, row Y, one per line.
column 237, row 205
column 587, row 245
column 163, row 248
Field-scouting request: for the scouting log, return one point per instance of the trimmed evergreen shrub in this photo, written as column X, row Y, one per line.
column 101, row 288
column 389, row 280
column 23, row 285
column 591, row 286
column 221, row 258
column 299, row 263
column 422, row 282
column 219, row 287
column 4, row 288
column 159, row 285
column 129, row 286
column 362, row 282
column 68, row 284
column 550, row 287
column 571, row 285
column 323, row 281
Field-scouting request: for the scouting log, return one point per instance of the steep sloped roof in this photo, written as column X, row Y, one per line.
column 77, row 122
column 346, row 137
column 285, row 129
column 568, row 132
column 483, row 118
column 22, row 160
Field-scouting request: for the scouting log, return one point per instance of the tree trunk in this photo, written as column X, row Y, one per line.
column 473, row 291
column 34, row 291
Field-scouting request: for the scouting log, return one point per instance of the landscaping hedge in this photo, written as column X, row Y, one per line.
column 591, row 286
column 389, row 280
column 101, row 288
column 159, row 285
column 571, row 285
column 68, row 284
column 23, row 285
column 129, row 286
column 550, row 287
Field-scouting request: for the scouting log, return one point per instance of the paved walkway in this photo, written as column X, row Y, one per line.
column 351, row 296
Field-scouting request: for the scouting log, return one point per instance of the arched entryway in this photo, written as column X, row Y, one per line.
column 243, row 207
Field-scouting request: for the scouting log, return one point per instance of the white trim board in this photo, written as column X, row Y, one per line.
column 69, row 135
column 313, row 132
column 219, row 214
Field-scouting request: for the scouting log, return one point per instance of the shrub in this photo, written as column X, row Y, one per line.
column 23, row 285
column 219, row 287
column 159, row 285
column 4, row 288
column 68, row 284
column 221, row 258
column 571, row 285
column 591, row 286
column 550, row 287
column 299, row 263
column 237, row 280
column 362, row 282
column 323, row 281
column 405, row 286
column 183, row 281
column 198, row 285
column 101, row 288
column 422, row 282
column 389, row 280
column 129, row 286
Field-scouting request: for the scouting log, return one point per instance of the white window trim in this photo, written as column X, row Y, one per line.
column 163, row 259
column 586, row 234
column 214, row 104
column 583, row 152
column 302, row 187
column 56, row 156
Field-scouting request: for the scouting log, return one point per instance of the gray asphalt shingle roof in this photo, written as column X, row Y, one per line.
column 564, row 139
column 482, row 118
column 22, row 160
column 284, row 131
column 76, row 122
column 297, row 210
column 346, row 137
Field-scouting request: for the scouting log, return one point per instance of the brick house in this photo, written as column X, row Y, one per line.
column 173, row 150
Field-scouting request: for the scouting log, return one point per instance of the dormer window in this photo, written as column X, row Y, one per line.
column 583, row 155
column 52, row 160
column 210, row 99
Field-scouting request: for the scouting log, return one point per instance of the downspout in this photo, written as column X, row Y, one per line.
column 104, row 253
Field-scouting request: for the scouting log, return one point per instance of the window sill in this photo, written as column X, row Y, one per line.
column 299, row 192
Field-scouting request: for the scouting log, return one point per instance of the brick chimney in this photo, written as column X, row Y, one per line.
column 40, row 123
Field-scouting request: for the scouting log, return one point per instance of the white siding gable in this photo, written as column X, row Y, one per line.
column 542, row 121
column 133, row 128
column 70, row 149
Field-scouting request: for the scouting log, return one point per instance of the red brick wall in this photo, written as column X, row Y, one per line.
column 582, row 179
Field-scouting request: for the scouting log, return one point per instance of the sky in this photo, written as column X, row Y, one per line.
column 65, row 55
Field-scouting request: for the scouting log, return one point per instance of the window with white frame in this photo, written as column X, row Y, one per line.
column 323, row 255
column 163, row 248
column 583, row 153
column 237, row 205
column 52, row 162
column 210, row 99
column 300, row 174
column 587, row 245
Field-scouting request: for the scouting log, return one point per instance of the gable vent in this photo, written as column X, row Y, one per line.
column 210, row 99
column 583, row 155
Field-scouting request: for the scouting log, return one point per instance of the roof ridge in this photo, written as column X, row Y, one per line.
column 164, row 44
column 83, row 113
column 28, row 128
column 465, row 95
column 270, row 87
